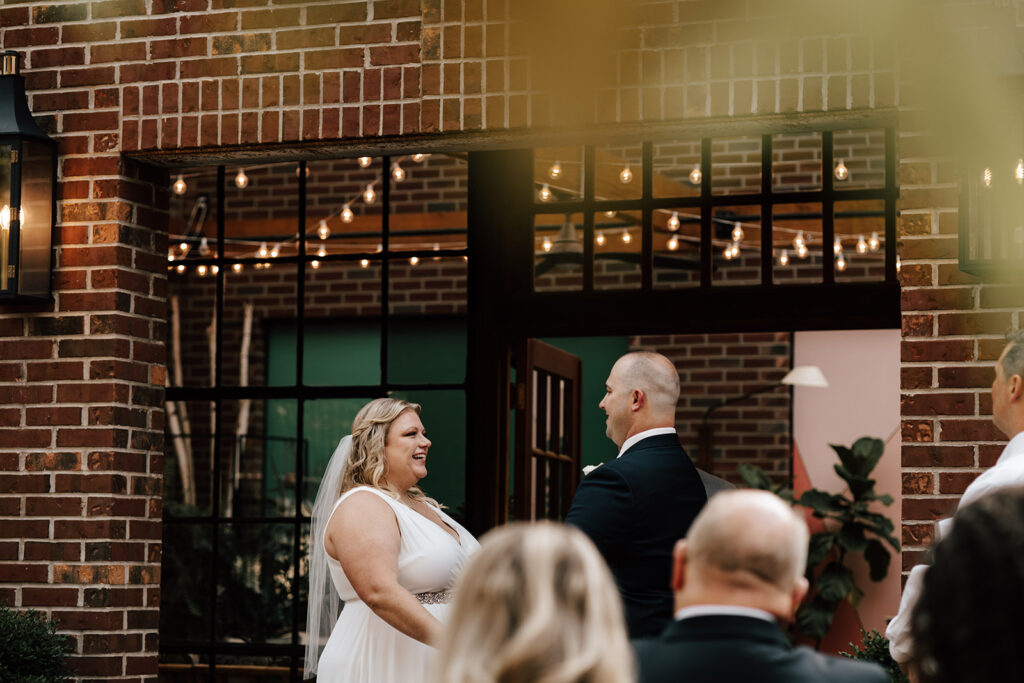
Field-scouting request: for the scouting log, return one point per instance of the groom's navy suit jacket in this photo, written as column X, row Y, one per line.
column 740, row 649
column 635, row 508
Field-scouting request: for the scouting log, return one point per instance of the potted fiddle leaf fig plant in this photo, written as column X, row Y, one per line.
column 850, row 528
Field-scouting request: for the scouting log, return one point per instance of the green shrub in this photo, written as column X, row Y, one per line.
column 31, row 651
column 876, row 649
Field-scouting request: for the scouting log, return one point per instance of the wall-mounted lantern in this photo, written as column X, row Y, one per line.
column 28, row 181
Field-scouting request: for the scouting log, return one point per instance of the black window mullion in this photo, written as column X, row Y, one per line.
column 588, row 218
column 385, row 279
column 891, row 197
column 646, row 221
column 705, row 213
column 218, row 370
column 828, row 273
column 767, row 252
column 300, row 336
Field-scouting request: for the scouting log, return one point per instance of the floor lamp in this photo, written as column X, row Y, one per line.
column 802, row 376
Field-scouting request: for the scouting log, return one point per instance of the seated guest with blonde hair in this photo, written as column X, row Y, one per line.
column 536, row 604
column 736, row 574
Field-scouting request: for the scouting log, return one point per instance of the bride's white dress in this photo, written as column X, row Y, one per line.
column 365, row 649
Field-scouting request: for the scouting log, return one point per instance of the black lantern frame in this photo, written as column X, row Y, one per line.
column 28, row 194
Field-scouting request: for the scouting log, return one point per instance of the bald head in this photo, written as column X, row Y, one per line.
column 749, row 537
column 655, row 375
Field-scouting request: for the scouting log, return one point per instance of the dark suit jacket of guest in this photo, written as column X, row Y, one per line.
column 635, row 508
column 735, row 649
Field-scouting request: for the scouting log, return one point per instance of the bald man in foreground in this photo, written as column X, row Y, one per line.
column 636, row 506
column 736, row 575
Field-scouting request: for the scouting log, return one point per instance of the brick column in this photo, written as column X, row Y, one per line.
column 81, row 425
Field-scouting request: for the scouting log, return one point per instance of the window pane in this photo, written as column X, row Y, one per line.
column 427, row 350
column 325, row 423
column 736, row 245
column 186, row 586
column 618, row 172
column 796, row 162
column 677, row 247
column 188, row 435
column 428, row 206
column 677, row 171
column 557, row 174
column 558, row 252
column 736, row 165
column 859, row 157
column 617, row 251
column 427, row 285
column 269, row 290
column 793, row 225
column 860, row 227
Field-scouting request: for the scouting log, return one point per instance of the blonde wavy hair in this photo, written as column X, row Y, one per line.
column 367, row 464
column 536, row 604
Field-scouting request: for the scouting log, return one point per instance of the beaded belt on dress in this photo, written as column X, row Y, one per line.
column 438, row 598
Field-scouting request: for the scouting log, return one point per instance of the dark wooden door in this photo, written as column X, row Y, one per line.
column 547, row 400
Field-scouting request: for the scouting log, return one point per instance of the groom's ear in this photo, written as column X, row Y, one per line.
column 639, row 398
column 679, row 565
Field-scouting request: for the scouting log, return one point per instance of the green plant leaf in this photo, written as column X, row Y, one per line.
column 835, row 582
column 859, row 486
column 851, row 537
column 867, row 451
column 814, row 618
column 818, row 547
column 754, row 477
column 878, row 559
column 822, row 502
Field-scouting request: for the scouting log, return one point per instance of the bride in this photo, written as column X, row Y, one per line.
column 390, row 551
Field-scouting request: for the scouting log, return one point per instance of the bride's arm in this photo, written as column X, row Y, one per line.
column 363, row 536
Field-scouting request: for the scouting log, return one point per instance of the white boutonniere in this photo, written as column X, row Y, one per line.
column 587, row 469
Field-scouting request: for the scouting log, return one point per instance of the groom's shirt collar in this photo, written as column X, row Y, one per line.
column 723, row 610
column 632, row 441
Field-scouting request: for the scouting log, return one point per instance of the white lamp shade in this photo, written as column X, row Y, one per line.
column 805, row 376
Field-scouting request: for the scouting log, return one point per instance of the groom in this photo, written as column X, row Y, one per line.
column 637, row 506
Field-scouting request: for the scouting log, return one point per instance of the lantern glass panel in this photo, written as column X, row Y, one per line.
column 37, row 217
column 5, row 217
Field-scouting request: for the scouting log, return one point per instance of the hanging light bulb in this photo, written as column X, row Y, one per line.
column 545, row 194
column 673, row 243
column 546, row 244
column 801, row 250
column 673, row 221
column 625, row 175
column 322, row 251
column 181, row 268
column 322, row 231
column 986, row 177
column 555, row 171
column 418, row 158
column 237, row 267
column 626, row 237
column 436, row 247
column 262, row 251
column 215, row 269
column 397, row 172
column 737, row 232
column 837, row 246
column 297, row 175
column 241, row 180
column 735, row 249
column 275, row 251
column 315, row 264
column 784, row 258
column 170, row 256
column 600, row 239
column 184, row 247
column 609, row 214
column 873, row 242
column 364, row 162
column 179, row 186
column 1019, row 172
column 346, row 214
column 413, row 260
column 204, row 246
column 799, row 240
column 840, row 262
column 201, row 270
column 696, row 176
column 841, row 172
column 862, row 245
column 727, row 252
column 369, row 196
column 898, row 263
column 364, row 262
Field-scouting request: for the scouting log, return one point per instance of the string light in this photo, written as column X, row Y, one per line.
column 862, row 245
column 555, row 171
column 363, row 263
column 397, row 172
column 215, row 269
column 267, row 265
column 735, row 249
column 322, row 231
column 546, row 244
column 369, row 196
column 626, row 237
column 801, row 250
column 237, row 267
column 1019, row 172
column 727, row 253
column 600, row 239
column 673, row 243
column 262, row 251
column 181, row 268
column 315, row 264
column 437, row 247
column 322, row 251
column 413, row 260
column 179, row 186
column 625, row 175
column 418, row 158
column 545, row 194
column 673, row 221
column 346, row 214
column 204, row 246
column 609, row 214
column 873, row 242
column 184, row 247
column 201, row 270
column 986, row 177
column 275, row 250
column 840, row 262
column 696, row 176
column 799, row 241
column 170, row 256
column 898, row 263
column 364, row 162
column 241, row 180
column 841, row 172
column 737, row 232
column 837, row 246
column 784, row 258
